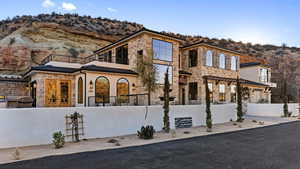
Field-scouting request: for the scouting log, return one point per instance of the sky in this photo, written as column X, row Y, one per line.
column 255, row 21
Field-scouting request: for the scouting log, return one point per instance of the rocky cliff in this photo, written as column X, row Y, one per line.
column 26, row 40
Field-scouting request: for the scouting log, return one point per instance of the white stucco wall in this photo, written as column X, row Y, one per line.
column 250, row 73
column 275, row 110
column 34, row 126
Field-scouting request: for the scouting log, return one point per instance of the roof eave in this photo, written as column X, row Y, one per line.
column 144, row 30
column 212, row 46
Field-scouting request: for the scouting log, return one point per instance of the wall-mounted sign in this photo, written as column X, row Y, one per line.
column 183, row 122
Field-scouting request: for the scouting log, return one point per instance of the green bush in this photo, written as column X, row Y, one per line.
column 58, row 139
column 146, row 132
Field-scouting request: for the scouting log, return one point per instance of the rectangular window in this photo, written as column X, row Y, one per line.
column 263, row 75
column 193, row 58
column 162, row 50
column 122, row 55
column 193, row 91
column 64, row 91
column 233, row 93
column 57, row 92
column 210, row 88
column 160, row 73
column 221, row 92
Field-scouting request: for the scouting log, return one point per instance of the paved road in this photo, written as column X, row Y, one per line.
column 275, row 147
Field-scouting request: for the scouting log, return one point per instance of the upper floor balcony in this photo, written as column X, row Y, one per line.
column 106, row 57
column 62, row 58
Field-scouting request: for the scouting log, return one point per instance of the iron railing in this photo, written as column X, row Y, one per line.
column 62, row 58
column 125, row 100
column 81, row 60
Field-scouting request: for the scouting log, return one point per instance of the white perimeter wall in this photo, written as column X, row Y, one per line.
column 34, row 126
column 274, row 110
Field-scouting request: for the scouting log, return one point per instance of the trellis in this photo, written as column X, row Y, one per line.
column 74, row 126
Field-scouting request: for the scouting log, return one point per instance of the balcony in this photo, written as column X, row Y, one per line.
column 62, row 58
column 82, row 60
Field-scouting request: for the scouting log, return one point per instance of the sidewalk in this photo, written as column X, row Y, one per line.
column 33, row 152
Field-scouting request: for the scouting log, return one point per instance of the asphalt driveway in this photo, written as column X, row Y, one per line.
column 273, row 147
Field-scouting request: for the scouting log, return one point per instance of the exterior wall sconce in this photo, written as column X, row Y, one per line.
column 27, row 87
column 91, row 86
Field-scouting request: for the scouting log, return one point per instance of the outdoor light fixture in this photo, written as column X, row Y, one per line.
column 91, row 86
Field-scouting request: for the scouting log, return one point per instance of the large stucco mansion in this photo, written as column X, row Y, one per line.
column 110, row 76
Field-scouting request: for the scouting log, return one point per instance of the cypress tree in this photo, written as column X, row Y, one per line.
column 239, row 101
column 166, row 102
column 208, row 112
column 285, row 100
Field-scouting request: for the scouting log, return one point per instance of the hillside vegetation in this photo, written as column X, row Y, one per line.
column 26, row 40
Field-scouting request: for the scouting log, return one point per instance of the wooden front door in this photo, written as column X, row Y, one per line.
column 58, row 93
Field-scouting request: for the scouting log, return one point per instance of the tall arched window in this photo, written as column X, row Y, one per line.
column 222, row 61
column 233, row 63
column 209, row 58
column 80, row 91
column 123, row 90
column 102, row 90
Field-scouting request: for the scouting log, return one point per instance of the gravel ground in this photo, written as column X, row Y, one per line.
column 272, row 147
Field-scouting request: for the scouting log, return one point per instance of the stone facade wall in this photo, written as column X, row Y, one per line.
column 8, row 88
column 202, row 70
column 144, row 42
column 40, row 90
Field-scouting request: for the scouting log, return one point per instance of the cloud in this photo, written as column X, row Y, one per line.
column 68, row 6
column 112, row 10
column 48, row 4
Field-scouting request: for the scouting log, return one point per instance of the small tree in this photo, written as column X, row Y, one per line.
column 285, row 101
column 166, row 102
column 208, row 112
column 239, row 100
column 147, row 72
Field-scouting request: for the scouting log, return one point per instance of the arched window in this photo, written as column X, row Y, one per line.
column 209, row 58
column 80, row 91
column 233, row 63
column 102, row 90
column 123, row 90
column 222, row 61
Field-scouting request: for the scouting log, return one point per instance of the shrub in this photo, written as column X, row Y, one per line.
column 146, row 132
column 112, row 141
column 58, row 139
